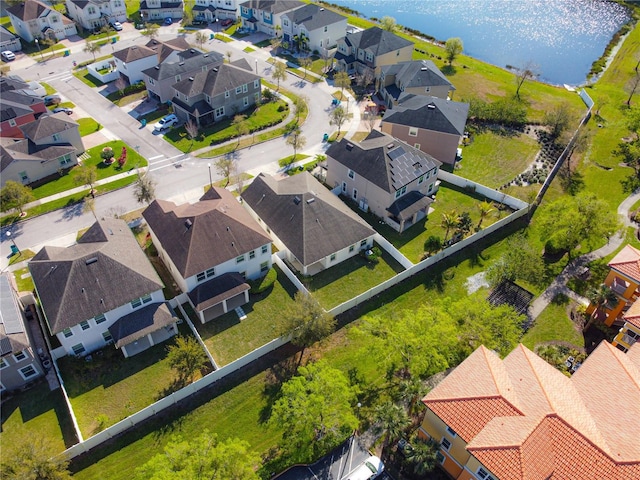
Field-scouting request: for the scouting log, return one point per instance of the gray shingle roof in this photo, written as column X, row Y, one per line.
column 28, row 10
column 214, row 291
column 272, row 6
column 13, row 336
column 131, row 54
column 25, row 150
column 377, row 40
column 9, row 110
column 12, row 83
column 104, row 270
column 200, row 236
column 430, row 113
column 313, row 17
column 383, row 160
column 47, row 125
column 6, row 35
column 171, row 69
column 216, row 81
column 141, row 322
column 310, row 220
column 407, row 205
column 419, row 73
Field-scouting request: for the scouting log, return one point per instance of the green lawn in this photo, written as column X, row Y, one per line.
column 85, row 77
column 349, row 278
column 36, row 413
column 24, row 282
column 265, row 115
column 116, row 387
column 88, row 126
column 554, row 323
column 493, row 159
column 228, row 338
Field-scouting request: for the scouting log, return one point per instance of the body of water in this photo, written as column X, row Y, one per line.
column 561, row 37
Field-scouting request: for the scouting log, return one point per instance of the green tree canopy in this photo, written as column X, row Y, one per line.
column 519, row 262
column 388, row 23
column 186, row 357
column 202, row 458
column 307, row 322
column 279, row 72
column 34, row 459
column 452, row 48
column 144, row 190
column 315, row 411
column 14, row 195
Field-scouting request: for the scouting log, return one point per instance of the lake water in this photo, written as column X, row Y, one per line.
column 561, row 37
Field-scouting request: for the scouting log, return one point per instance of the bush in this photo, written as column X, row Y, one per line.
column 263, row 283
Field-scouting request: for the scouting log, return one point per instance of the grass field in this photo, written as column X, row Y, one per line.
column 553, row 324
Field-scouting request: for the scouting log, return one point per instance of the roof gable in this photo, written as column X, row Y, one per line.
column 183, row 67
column 627, row 262
column 377, row 41
column 312, row 17
column 216, row 81
column 47, row 125
column 430, row 113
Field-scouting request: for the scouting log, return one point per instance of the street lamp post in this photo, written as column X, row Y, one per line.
column 210, row 180
column 13, row 241
column 39, row 50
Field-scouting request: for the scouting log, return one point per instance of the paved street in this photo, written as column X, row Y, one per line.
column 180, row 177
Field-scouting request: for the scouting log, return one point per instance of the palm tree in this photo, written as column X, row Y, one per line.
column 449, row 221
column 423, row 455
column 484, row 208
column 410, row 390
column 599, row 297
column 390, row 420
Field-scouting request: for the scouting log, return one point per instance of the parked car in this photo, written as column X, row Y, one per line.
column 52, row 100
column 8, row 56
column 226, row 22
column 166, row 122
column 370, row 468
column 168, row 21
column 66, row 110
column 117, row 26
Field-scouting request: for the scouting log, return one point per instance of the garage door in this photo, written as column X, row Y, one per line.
column 213, row 312
column 236, row 301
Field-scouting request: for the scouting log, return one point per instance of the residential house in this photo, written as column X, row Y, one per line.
column 313, row 28
column 432, row 125
column 265, row 15
column 9, row 41
column 18, row 363
column 371, row 49
column 307, row 221
column 33, row 19
column 419, row 77
column 210, row 247
column 102, row 290
column 161, row 78
column 95, row 14
column 51, row 143
column 210, row 10
column 385, row 176
column 158, row 10
column 215, row 94
column 132, row 61
column 629, row 333
column 17, row 108
column 520, row 418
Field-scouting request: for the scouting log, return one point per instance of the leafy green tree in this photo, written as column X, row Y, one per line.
column 186, row 357
column 86, row 175
column 521, row 261
column 341, row 80
column 464, row 224
column 200, row 38
column 307, row 322
column 92, row 48
column 225, row 166
column 15, row 195
column 338, row 116
column 452, row 48
column 33, row 459
column 144, row 190
column 557, row 119
column 314, row 411
column 299, row 105
column 449, row 221
column 432, row 244
column 279, row 73
column 202, row 458
column 390, row 420
column 276, row 43
column 388, row 23
column 599, row 297
column 411, row 390
column 297, row 141
column 240, row 126
column 423, row 455
column 484, row 209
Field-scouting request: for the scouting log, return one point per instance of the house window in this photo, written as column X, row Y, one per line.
column 67, row 333
column 333, row 257
column 28, row 372
column 451, row 431
column 398, row 53
column 18, row 357
column 23, row 176
column 446, row 444
column 84, row 325
column 136, row 303
column 325, row 28
column 285, row 22
column 239, row 90
column 200, row 277
column 363, row 243
column 369, row 57
column 152, row 81
column 65, row 160
column 207, row 98
column 100, row 319
column 252, row 254
column 245, row 11
column 265, row 249
column 3, row 363
column 344, row 187
column 219, row 112
column 353, row 50
column 264, row 266
column 483, row 474
column 12, row 122
column 440, row 458
column 427, row 89
column 420, row 179
column 401, row 192
column 352, row 174
column 355, row 194
column 245, row 101
column 91, row 10
column 240, row 259
column 107, row 337
column 211, row 272
column 146, row 298
column 256, row 97
column 245, row 88
column 178, row 78
column 413, row 132
column 430, row 188
column 256, row 84
column 56, row 137
column 78, row 349
column 351, row 248
column 416, row 145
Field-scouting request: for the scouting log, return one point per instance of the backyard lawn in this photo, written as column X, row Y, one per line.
column 349, row 278
column 228, row 338
column 36, row 413
column 554, row 324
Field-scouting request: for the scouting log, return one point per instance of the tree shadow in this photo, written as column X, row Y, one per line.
column 276, row 376
column 571, row 184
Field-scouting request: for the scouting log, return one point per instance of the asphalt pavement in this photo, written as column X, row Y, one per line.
column 180, row 177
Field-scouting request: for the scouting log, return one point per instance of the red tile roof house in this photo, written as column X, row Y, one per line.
column 210, row 247
column 18, row 105
column 102, row 290
column 520, row 418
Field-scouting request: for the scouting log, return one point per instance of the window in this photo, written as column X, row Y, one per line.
column 178, row 78
column 211, row 272
column 398, row 53
column 351, row 248
column 483, row 474
column 256, row 84
column 107, row 337
column 252, row 254
column 64, row 160
column 207, row 98
column 240, row 259
column 238, row 90
column 264, row 266
column 219, row 112
column 326, row 28
column 78, row 349
column 84, row 325
column 352, row 174
column 23, row 176
column 420, row 179
column 12, row 122
column 151, row 81
column 285, row 22
column 333, row 257
column 136, row 303
column 91, row 11
column 245, row 88
column 56, row 137
column 363, row 243
column 256, row 97
column 245, row 101
column 401, row 192
column 413, row 132
column 100, row 319
column 146, row 298
column 369, row 57
column 416, row 145
column 430, row 188
column 265, row 249
column 3, row 363
column 67, row 332
column 440, row 458
column 245, row 11
column 200, row 277
column 28, row 372
column 18, row 357
column 451, row 431
column 344, row 187
column 446, row 444
column 355, row 194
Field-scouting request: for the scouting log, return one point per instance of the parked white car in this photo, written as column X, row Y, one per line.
column 8, row 55
column 370, row 468
column 117, row 26
column 165, row 122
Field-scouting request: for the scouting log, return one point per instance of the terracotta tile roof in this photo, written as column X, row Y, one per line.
column 633, row 314
column 627, row 262
column 634, row 354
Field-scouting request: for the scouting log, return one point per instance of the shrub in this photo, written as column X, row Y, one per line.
column 263, row 283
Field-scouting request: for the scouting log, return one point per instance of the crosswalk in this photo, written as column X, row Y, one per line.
column 60, row 76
